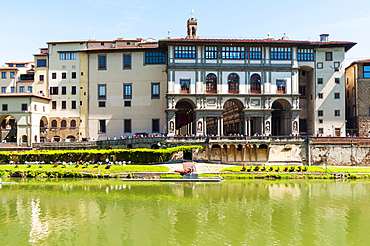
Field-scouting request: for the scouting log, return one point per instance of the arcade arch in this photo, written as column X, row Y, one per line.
column 185, row 118
column 8, row 129
column 281, row 118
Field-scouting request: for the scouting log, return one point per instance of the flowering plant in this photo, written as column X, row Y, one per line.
column 56, row 164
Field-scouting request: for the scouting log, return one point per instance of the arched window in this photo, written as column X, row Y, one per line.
column 54, row 123
column 233, row 82
column 211, row 83
column 73, row 123
column 42, row 123
column 255, row 83
column 64, row 123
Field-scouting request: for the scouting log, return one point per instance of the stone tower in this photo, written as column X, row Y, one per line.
column 192, row 26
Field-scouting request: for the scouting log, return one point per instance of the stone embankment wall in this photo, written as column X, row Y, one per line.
column 340, row 155
column 340, row 151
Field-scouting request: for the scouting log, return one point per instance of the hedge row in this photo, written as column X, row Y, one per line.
column 132, row 155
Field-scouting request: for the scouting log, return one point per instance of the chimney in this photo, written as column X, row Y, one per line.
column 324, row 37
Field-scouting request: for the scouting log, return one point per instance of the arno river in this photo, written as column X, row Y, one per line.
column 114, row 212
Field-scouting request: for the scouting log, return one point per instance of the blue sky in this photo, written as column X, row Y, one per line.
column 27, row 25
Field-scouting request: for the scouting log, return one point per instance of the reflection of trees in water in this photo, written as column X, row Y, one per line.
column 249, row 212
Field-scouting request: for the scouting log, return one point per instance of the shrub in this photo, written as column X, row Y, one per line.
column 256, row 168
column 304, row 169
column 263, row 168
column 249, row 169
column 298, row 168
column 291, row 169
column 285, row 169
column 277, row 169
column 271, row 169
column 29, row 165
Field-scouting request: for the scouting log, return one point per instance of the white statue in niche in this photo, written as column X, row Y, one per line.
column 199, row 126
column 267, row 126
column 295, row 126
column 171, row 126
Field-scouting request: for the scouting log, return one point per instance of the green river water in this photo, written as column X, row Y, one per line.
column 114, row 212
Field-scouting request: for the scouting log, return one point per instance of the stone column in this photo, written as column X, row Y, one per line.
column 249, row 126
column 221, row 125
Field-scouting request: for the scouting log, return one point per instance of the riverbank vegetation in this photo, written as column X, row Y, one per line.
column 308, row 169
column 94, row 155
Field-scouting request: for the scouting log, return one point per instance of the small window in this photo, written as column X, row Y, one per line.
column 74, row 106
column 54, row 90
column 336, row 65
column 280, row 86
column 185, row 52
column 127, row 91
column 53, row 105
column 127, row 126
column 127, row 61
column 64, row 75
column 63, row 123
column 185, row 86
column 12, row 75
column 232, row 52
column 24, row 106
column 64, row 104
column 101, row 104
column 5, row 107
column 321, row 130
column 54, row 75
column 302, row 91
column 12, row 89
column 73, row 123
column 321, row 121
column 64, row 90
column 3, row 89
column 73, row 91
column 54, row 124
column 30, row 89
column 337, row 80
column 336, row 113
column 43, row 108
column 211, row 52
column 280, row 53
column 102, row 62
column 320, row 95
column 3, row 75
column 155, row 58
column 41, row 77
column 255, row 53
column 320, row 65
column 41, row 62
column 328, row 56
column 155, row 91
column 366, row 71
column 155, row 125
column 102, row 126
column 336, row 95
column 102, row 92
column 127, row 104
column 35, row 107
column 21, row 89
column 305, row 55
column 73, row 75
column 319, row 81
column 320, row 113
